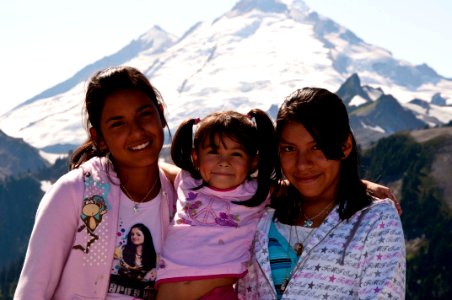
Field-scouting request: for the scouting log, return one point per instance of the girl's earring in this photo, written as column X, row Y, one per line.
column 194, row 158
column 282, row 173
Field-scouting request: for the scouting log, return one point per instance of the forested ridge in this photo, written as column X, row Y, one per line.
column 402, row 163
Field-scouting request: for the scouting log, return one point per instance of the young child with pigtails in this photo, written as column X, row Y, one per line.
column 227, row 169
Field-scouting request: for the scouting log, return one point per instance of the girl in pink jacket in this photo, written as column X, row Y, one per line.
column 99, row 229
column 219, row 203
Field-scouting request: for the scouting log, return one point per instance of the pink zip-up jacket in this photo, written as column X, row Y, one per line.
column 211, row 236
column 362, row 258
column 71, row 247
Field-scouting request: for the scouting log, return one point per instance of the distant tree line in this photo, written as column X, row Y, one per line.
column 8, row 279
column 19, row 199
column 426, row 218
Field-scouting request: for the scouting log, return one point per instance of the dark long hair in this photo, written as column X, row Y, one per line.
column 325, row 117
column 102, row 85
column 258, row 139
column 148, row 256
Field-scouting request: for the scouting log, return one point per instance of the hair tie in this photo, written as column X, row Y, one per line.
column 197, row 120
column 251, row 118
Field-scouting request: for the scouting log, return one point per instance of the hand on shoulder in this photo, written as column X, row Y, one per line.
column 170, row 170
column 381, row 191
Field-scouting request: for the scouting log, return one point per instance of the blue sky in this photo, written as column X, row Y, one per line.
column 45, row 42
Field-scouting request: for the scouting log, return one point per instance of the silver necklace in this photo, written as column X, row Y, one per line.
column 137, row 203
column 301, row 264
column 309, row 221
column 298, row 247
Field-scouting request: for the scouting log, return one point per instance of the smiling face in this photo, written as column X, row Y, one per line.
column 136, row 236
column 131, row 129
column 225, row 164
column 305, row 165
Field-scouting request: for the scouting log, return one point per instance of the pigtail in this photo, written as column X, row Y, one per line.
column 267, row 153
column 181, row 147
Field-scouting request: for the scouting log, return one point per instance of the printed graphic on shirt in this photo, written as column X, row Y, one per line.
column 134, row 272
column 94, row 208
column 209, row 211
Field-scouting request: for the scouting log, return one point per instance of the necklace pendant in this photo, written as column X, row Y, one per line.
column 298, row 248
column 284, row 285
column 308, row 223
column 135, row 208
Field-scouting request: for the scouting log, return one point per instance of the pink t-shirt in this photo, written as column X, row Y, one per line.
column 210, row 236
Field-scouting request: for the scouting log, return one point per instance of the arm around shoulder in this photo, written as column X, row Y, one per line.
column 169, row 170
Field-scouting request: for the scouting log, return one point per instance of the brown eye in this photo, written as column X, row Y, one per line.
column 147, row 113
column 116, row 124
column 286, row 149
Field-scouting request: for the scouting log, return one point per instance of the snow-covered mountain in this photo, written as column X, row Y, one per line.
column 252, row 56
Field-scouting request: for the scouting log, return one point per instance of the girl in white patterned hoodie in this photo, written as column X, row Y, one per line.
column 325, row 237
